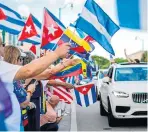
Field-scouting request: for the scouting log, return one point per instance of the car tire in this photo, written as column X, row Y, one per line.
column 97, row 95
column 112, row 121
column 102, row 110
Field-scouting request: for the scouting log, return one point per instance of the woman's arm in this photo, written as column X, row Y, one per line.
column 57, row 83
column 35, row 68
column 49, row 72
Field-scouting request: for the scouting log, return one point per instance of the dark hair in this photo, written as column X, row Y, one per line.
column 137, row 60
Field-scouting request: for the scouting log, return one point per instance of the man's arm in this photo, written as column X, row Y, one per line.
column 35, row 68
column 129, row 60
column 58, row 83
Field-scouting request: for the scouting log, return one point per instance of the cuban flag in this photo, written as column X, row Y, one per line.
column 52, row 29
column 12, row 22
column 85, row 94
column 96, row 23
column 31, row 29
column 133, row 13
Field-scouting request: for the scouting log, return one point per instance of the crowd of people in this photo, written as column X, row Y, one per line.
column 22, row 96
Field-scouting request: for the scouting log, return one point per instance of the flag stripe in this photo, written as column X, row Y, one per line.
column 90, row 97
column 57, row 91
column 82, row 100
column 68, row 94
column 13, row 13
column 12, row 31
column 86, row 100
column 93, row 94
column 57, row 20
column 144, row 14
column 15, row 21
column 37, row 23
column 101, row 17
column 86, row 15
column 78, row 97
column 94, row 33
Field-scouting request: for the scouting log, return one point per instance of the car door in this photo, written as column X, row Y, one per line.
column 105, row 89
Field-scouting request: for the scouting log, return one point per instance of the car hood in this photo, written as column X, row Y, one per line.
column 130, row 87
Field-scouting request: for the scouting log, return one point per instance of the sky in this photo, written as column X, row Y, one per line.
column 124, row 38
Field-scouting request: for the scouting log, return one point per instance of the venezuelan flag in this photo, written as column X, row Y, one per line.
column 69, row 36
column 70, row 71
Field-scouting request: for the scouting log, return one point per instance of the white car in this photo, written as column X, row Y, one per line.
column 101, row 75
column 123, row 94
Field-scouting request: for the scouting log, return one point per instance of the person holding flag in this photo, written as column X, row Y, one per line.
column 10, row 73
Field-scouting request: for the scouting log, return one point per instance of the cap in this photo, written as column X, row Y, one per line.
column 22, row 53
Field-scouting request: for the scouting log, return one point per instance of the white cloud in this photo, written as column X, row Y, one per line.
column 24, row 10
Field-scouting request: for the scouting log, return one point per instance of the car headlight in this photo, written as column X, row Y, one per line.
column 120, row 94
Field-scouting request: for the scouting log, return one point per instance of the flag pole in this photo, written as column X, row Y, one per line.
column 42, row 31
column 70, row 42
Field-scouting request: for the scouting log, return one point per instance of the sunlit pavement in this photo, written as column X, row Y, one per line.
column 89, row 119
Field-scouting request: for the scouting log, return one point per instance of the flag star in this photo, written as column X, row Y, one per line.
column 51, row 30
column 28, row 29
column 84, row 89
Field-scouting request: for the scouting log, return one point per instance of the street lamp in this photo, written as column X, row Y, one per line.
column 60, row 9
column 142, row 41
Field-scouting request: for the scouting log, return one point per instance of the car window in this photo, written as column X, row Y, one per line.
column 102, row 73
column 131, row 74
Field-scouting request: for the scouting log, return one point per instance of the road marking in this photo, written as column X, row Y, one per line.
column 73, row 115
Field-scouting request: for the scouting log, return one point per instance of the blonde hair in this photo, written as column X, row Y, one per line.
column 11, row 54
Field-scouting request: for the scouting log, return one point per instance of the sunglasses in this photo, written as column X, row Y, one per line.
column 20, row 58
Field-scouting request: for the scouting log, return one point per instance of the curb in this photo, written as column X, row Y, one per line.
column 73, row 115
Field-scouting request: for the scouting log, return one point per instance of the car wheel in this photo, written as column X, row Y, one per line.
column 97, row 95
column 102, row 110
column 112, row 121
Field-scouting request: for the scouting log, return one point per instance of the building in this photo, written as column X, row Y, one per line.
column 11, row 39
column 137, row 55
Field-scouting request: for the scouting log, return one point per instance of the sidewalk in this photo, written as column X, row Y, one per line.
column 65, row 123
column 68, row 123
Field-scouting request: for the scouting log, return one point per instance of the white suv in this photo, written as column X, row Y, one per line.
column 124, row 93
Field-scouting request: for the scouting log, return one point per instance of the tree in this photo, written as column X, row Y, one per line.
column 145, row 57
column 120, row 60
column 102, row 62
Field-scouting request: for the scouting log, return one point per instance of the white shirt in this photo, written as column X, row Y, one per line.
column 7, row 74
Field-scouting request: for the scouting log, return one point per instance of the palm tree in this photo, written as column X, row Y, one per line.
column 145, row 57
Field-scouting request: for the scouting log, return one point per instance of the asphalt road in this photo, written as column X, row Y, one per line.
column 89, row 119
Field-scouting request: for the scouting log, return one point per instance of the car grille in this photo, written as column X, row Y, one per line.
column 140, row 97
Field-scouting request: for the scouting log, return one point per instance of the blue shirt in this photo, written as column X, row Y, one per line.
column 19, row 91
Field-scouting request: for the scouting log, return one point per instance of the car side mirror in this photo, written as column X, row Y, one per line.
column 106, row 80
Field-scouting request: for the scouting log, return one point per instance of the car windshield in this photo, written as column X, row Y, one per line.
column 131, row 74
column 102, row 73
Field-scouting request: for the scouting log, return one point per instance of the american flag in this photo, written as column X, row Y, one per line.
column 61, row 92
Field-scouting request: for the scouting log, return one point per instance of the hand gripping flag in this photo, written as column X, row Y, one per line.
column 135, row 18
column 75, row 40
column 84, row 36
column 12, row 22
column 31, row 29
column 85, row 94
column 69, row 71
column 96, row 23
column 52, row 28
